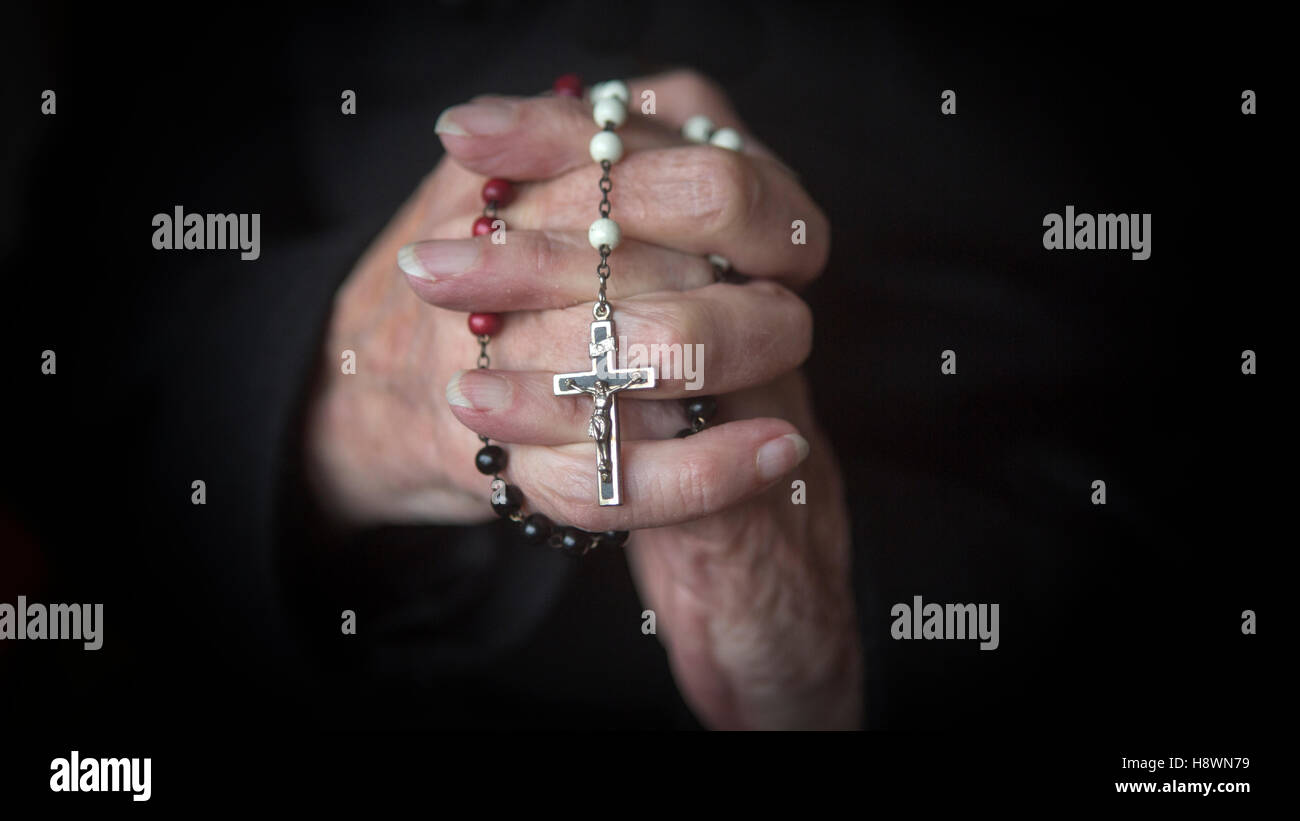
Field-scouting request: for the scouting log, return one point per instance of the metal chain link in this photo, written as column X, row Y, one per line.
column 601, row 309
column 606, row 185
column 484, row 361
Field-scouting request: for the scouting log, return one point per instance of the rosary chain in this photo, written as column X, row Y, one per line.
column 601, row 309
column 484, row 361
column 606, row 185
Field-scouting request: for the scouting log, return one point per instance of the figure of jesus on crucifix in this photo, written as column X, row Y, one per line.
column 599, row 427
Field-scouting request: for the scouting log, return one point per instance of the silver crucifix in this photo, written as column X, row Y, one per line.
column 601, row 383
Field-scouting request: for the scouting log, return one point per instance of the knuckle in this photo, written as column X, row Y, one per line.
column 546, row 254
column 803, row 323
column 570, row 494
column 677, row 324
column 800, row 318
column 691, row 487
column 796, row 315
column 723, row 192
column 550, row 117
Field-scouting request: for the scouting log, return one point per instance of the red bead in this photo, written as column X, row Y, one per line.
column 568, row 85
column 482, row 225
column 498, row 190
column 484, row 324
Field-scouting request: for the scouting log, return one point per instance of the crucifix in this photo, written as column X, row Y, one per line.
column 602, row 382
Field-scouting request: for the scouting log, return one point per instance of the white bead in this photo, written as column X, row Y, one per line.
column 697, row 129
column 604, row 231
column 728, row 138
column 610, row 88
column 720, row 261
column 606, row 146
column 609, row 110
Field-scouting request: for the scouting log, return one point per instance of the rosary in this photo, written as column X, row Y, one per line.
column 603, row 380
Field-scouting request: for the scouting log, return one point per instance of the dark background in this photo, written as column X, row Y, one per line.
column 1073, row 366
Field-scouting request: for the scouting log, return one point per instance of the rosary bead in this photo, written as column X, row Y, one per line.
column 568, row 85
column 536, row 529
column 701, row 407
column 612, row 538
column 482, row 225
column 490, row 459
column 697, row 129
column 606, row 145
column 728, row 138
column 604, row 231
column 609, row 110
column 499, row 191
column 506, row 499
column 610, row 89
column 573, row 539
column 484, row 324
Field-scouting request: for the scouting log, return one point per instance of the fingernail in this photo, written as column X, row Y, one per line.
column 446, row 125
column 437, row 258
column 481, row 119
column 478, row 390
column 780, row 456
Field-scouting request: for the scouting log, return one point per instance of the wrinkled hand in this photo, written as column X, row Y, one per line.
column 751, row 592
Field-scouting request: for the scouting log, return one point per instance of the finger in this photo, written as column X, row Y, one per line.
column 535, row 138
column 519, row 407
column 683, row 93
column 716, row 339
column 698, row 199
column 533, row 270
column 663, row 483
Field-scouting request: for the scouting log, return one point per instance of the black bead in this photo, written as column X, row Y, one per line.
column 613, row 538
column 574, row 539
column 509, row 500
column 536, row 529
column 490, row 460
column 701, row 407
column 683, row 433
